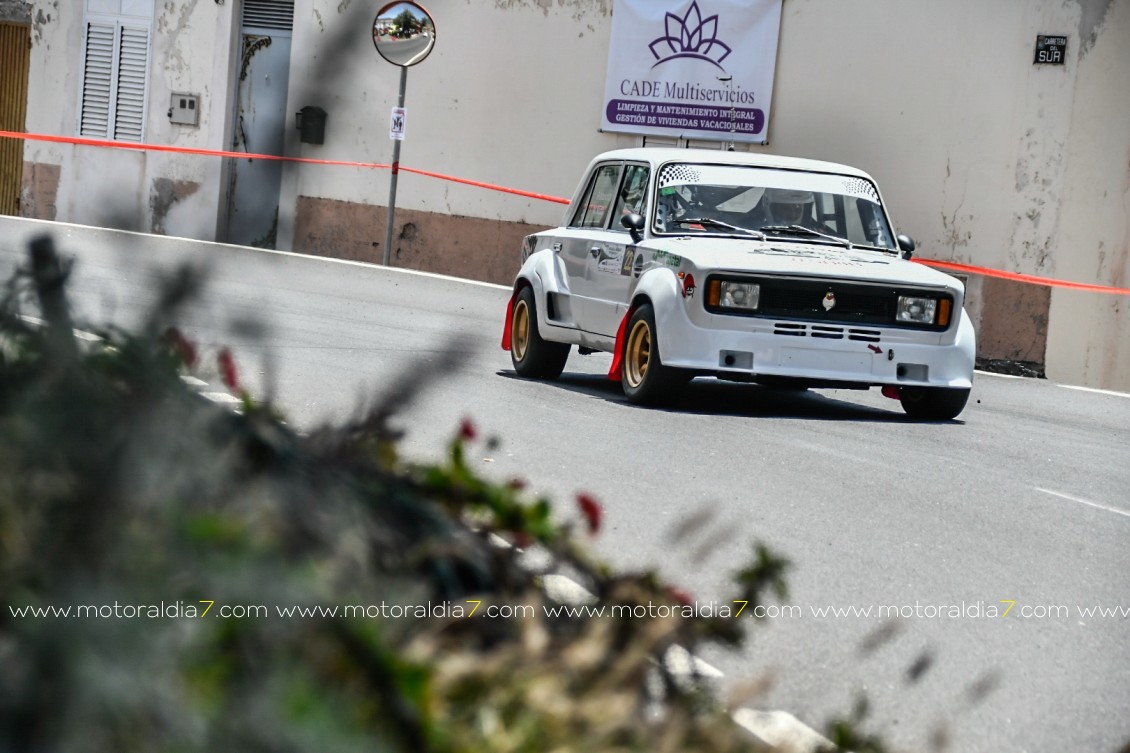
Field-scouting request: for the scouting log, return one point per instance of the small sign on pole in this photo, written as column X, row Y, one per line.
column 396, row 124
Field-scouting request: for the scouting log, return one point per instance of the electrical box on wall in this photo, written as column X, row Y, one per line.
column 185, row 109
column 311, row 124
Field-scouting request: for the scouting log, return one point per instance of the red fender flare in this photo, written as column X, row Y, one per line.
column 618, row 353
column 509, row 324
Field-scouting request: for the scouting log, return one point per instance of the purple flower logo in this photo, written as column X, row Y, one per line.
column 691, row 36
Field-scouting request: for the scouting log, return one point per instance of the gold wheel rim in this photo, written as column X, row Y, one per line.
column 638, row 354
column 520, row 330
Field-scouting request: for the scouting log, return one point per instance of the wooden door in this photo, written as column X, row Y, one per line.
column 15, row 58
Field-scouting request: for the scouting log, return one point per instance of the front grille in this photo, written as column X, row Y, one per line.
column 833, row 303
column 789, row 328
column 796, row 329
column 796, row 299
column 864, row 335
column 828, row 333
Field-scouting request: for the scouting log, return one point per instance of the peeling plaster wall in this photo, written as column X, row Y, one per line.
column 427, row 241
column 510, row 95
column 18, row 11
column 39, row 190
column 56, row 45
column 1089, row 337
column 966, row 136
column 190, row 52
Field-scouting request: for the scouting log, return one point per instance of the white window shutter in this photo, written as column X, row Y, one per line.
column 97, row 80
column 133, row 80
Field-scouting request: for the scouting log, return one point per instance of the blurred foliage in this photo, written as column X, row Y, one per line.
column 121, row 485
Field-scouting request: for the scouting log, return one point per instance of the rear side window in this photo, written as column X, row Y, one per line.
column 599, row 195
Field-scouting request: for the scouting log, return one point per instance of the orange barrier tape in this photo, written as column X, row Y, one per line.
column 1030, row 279
column 954, row 266
column 178, row 149
column 542, row 196
column 274, row 157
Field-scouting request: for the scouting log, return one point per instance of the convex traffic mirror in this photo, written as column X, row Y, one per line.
column 404, row 33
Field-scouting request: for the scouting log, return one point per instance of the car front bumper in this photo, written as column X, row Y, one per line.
column 747, row 347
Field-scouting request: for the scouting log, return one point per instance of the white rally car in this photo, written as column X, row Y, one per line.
column 781, row 271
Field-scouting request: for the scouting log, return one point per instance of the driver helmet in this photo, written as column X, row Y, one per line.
column 788, row 206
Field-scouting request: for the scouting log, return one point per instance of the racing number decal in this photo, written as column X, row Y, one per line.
column 629, row 258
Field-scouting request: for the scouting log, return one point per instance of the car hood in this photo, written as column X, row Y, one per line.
column 803, row 259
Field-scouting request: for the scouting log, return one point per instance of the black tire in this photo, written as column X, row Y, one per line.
column 532, row 356
column 643, row 377
column 933, row 403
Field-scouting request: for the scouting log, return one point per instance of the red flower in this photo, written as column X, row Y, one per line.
column 182, row 346
column 228, row 371
column 467, row 431
column 591, row 509
column 680, row 596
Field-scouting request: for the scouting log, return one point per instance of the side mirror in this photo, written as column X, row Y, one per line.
column 907, row 245
column 634, row 223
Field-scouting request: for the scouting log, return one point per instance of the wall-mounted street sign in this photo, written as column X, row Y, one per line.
column 1051, row 49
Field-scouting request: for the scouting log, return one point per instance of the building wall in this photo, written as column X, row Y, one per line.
column 1089, row 335
column 983, row 157
column 16, row 11
column 172, row 194
column 510, row 95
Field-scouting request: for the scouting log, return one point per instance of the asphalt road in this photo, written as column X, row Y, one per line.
column 1020, row 504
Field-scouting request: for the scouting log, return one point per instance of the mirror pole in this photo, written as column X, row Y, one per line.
column 395, row 172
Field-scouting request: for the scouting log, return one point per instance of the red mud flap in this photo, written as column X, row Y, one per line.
column 618, row 353
column 509, row 322
column 891, row 391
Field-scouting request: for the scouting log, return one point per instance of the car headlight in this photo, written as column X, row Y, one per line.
column 916, row 309
column 728, row 294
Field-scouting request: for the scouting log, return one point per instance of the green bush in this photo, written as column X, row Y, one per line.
column 120, row 485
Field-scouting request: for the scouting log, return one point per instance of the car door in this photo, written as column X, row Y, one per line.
column 608, row 269
column 586, row 240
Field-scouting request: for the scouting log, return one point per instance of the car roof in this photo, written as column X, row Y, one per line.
column 660, row 155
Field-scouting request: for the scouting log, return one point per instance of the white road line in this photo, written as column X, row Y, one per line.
column 1070, row 498
column 221, row 397
column 1096, row 391
column 80, row 334
column 68, row 226
column 679, row 661
column 565, row 590
column 192, row 381
column 498, row 542
column 781, row 730
column 995, row 374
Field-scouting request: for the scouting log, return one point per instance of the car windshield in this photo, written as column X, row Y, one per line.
column 744, row 201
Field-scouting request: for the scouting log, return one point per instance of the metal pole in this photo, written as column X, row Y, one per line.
column 395, row 171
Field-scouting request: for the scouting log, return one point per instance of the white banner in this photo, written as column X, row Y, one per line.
column 699, row 69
